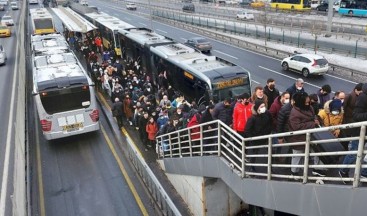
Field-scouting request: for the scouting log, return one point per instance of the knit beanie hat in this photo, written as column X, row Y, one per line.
column 335, row 104
column 257, row 104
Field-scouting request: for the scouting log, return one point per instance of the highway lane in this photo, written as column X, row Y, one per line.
column 261, row 67
column 7, row 90
column 82, row 175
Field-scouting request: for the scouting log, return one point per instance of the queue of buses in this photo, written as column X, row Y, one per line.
column 62, row 90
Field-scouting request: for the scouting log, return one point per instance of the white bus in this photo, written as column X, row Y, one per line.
column 42, row 21
column 64, row 94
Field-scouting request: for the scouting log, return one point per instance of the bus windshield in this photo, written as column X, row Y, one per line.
column 65, row 99
column 43, row 24
column 231, row 88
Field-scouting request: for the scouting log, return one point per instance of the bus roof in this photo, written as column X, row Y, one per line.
column 48, row 44
column 58, row 71
column 203, row 66
column 39, row 13
column 144, row 36
column 108, row 21
column 73, row 21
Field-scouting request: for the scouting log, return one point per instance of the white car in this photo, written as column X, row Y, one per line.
column 4, row 2
column 14, row 6
column 245, row 15
column 306, row 64
column 83, row 2
column 7, row 20
column 2, row 55
column 131, row 6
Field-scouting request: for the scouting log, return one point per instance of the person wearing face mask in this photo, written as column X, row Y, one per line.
column 223, row 111
column 259, row 124
column 259, row 95
column 302, row 117
column 279, row 101
column 296, row 87
column 270, row 91
column 241, row 113
column 339, row 95
column 128, row 109
column 332, row 115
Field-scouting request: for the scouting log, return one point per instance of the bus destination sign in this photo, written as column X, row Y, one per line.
column 230, row 83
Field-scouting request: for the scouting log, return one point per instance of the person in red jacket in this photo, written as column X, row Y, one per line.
column 151, row 129
column 241, row 113
column 98, row 42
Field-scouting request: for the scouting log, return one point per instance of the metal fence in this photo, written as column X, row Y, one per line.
column 268, row 33
column 222, row 141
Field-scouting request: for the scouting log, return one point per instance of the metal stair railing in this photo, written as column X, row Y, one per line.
column 222, row 141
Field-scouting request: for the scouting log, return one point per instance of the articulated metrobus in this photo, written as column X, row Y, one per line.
column 108, row 27
column 42, row 21
column 299, row 5
column 63, row 93
column 353, row 8
column 198, row 77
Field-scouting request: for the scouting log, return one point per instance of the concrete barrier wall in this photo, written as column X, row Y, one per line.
column 19, row 196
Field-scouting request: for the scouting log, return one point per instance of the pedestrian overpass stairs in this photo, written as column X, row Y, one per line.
column 262, row 178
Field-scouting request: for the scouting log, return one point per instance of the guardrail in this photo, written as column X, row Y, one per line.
column 222, row 141
column 277, row 53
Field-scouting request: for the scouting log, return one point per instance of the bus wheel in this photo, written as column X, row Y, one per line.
column 350, row 12
column 285, row 66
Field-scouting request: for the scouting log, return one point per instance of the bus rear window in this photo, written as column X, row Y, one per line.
column 43, row 24
column 65, row 99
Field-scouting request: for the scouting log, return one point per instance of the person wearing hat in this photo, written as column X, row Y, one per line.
column 296, row 87
column 259, row 124
column 332, row 114
column 241, row 113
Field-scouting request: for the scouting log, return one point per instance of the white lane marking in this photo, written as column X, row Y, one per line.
column 335, row 77
column 161, row 31
column 4, row 182
column 225, row 54
column 142, row 24
column 255, row 81
column 292, row 78
column 183, row 38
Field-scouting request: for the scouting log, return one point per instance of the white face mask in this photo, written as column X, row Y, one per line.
column 286, row 101
column 262, row 110
column 335, row 112
column 299, row 88
column 342, row 101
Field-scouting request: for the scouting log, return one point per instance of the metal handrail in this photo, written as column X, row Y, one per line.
column 231, row 146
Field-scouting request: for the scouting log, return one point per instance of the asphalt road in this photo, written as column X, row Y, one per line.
column 260, row 66
column 82, row 175
column 7, row 82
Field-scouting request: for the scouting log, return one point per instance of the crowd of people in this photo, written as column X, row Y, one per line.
column 155, row 108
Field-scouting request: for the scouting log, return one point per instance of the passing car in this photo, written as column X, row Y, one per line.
column 2, row 55
column 245, row 15
column 306, row 64
column 131, row 6
column 323, row 7
column 14, row 5
column 200, row 44
column 5, row 31
column 258, row 4
column 83, row 2
column 4, row 2
column 7, row 20
column 2, row 8
column 188, row 7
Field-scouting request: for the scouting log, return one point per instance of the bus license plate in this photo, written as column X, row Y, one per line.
column 72, row 127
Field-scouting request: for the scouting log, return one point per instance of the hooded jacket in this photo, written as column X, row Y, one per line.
column 329, row 119
column 258, row 125
column 274, row 110
column 241, row 114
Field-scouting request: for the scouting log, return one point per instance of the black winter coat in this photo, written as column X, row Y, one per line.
column 360, row 109
column 258, row 125
column 117, row 109
column 283, row 116
column 223, row 113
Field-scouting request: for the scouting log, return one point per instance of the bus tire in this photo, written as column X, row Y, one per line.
column 350, row 12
